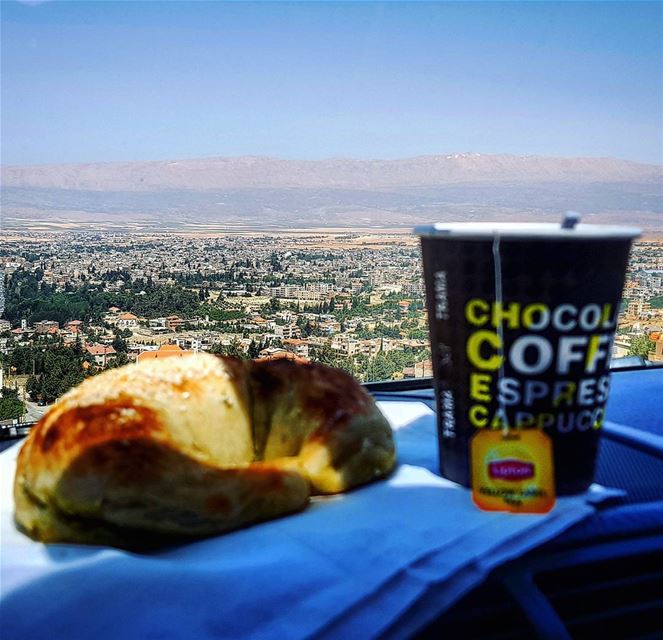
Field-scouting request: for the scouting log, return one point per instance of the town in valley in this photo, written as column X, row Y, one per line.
column 74, row 304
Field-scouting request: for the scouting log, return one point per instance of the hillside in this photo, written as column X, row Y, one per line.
column 259, row 192
column 263, row 172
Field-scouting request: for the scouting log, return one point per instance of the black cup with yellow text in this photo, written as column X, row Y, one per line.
column 522, row 319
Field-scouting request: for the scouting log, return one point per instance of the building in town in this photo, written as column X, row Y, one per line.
column 126, row 321
column 656, row 354
column 164, row 351
column 46, row 326
column 101, row 353
column 277, row 353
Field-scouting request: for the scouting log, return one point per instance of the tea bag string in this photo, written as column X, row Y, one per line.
column 497, row 261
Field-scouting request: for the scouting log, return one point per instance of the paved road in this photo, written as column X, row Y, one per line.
column 34, row 411
column 14, row 433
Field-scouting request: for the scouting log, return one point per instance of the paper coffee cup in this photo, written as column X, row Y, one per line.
column 522, row 319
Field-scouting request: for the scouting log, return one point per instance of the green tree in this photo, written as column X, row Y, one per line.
column 254, row 349
column 118, row 361
column 33, row 387
column 275, row 263
column 27, row 296
column 640, row 346
column 234, row 349
column 307, row 329
column 119, row 343
column 325, row 354
column 10, row 406
column 218, row 314
column 59, row 370
column 379, row 368
column 78, row 346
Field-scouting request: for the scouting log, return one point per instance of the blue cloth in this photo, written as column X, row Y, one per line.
column 647, row 386
column 349, row 566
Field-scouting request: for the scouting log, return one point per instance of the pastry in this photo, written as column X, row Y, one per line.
column 193, row 446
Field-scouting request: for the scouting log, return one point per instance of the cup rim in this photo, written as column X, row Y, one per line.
column 524, row 230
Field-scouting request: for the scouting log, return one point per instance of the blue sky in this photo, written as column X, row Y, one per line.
column 101, row 81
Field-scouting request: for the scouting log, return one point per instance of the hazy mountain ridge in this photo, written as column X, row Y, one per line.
column 267, row 192
column 265, row 172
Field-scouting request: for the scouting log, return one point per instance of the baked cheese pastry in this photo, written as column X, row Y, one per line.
column 193, row 446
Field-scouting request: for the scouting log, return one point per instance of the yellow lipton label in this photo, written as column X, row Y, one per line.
column 512, row 471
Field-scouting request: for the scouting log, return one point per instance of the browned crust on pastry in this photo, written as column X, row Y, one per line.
column 324, row 419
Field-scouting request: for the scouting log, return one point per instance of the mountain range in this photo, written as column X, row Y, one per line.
column 258, row 192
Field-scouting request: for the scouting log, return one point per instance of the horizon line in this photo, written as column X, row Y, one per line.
column 447, row 155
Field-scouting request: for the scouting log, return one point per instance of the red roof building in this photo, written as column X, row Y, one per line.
column 101, row 353
column 274, row 353
column 164, row 351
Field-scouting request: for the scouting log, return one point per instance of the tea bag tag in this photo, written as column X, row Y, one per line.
column 512, row 470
